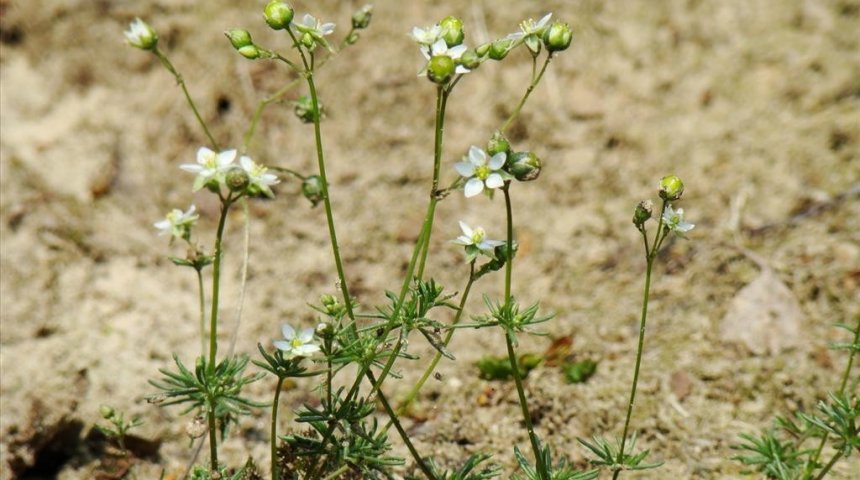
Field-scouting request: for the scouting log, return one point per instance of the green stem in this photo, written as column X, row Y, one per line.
column 340, row 471
column 216, row 285
column 829, row 465
column 202, row 295
column 441, row 104
column 529, row 91
column 274, row 429
column 213, row 441
column 512, row 358
column 179, row 80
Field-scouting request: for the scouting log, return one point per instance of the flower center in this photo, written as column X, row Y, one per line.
column 296, row 342
column 478, row 235
column 482, row 172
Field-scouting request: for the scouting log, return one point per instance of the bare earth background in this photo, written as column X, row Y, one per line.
column 755, row 104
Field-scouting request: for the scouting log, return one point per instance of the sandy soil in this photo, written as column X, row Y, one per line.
column 755, row 104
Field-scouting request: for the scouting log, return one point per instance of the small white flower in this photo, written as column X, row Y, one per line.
column 258, row 176
column 674, row 221
column 475, row 241
column 299, row 344
column 439, row 47
column 530, row 27
column 141, row 35
column 210, row 166
column 481, row 172
column 177, row 223
column 426, row 36
column 314, row 27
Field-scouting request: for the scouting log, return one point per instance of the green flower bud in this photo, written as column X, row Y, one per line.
column 642, row 213
column 498, row 143
column 106, row 412
column 251, row 52
column 524, row 166
column 452, row 31
column 671, row 188
column 237, row 180
column 278, row 14
column 557, row 37
column 500, row 48
column 239, row 38
column 312, row 189
column 141, row 35
column 483, row 50
column 470, row 59
column 308, row 41
column 361, row 18
column 304, row 109
column 327, row 300
column 440, row 69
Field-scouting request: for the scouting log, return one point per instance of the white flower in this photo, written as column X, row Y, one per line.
column 312, row 26
column 210, row 166
column 178, row 223
column 481, row 172
column 141, row 35
column 674, row 221
column 426, row 36
column 258, row 177
column 530, row 27
column 439, row 47
column 297, row 345
column 475, row 241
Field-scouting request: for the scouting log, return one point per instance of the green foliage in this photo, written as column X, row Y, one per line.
column 579, row 372
column 559, row 471
column 499, row 368
column 608, row 454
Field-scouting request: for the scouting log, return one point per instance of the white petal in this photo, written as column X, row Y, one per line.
column 497, row 161
column 465, row 169
column 473, row 187
column 461, row 69
column 543, row 21
column 463, row 240
column 288, row 331
column 203, row 155
column 282, row 345
column 439, row 47
column 494, row 180
column 199, row 181
column 477, row 156
column 467, row 230
column 457, row 52
column 190, row 167
column 327, row 28
column 306, row 335
column 246, row 162
column 309, row 20
column 226, row 157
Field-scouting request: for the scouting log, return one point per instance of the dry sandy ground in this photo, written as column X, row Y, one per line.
column 755, row 104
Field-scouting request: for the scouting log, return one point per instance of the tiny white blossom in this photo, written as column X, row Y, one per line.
column 481, row 172
column 674, row 221
column 439, row 47
column 177, row 223
column 299, row 344
column 141, row 35
column 475, row 241
column 530, row 27
column 210, row 166
column 426, row 36
column 258, row 176
column 313, row 27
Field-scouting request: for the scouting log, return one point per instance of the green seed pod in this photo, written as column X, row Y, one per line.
column 312, row 189
column 452, row 31
column 308, row 41
column 498, row 143
column 644, row 210
column 361, row 18
column 671, row 188
column 440, row 69
column 470, row 59
column 239, row 38
column 524, row 166
column 278, row 15
column 500, row 49
column 106, row 412
column 557, row 37
column 251, row 52
column 237, row 180
column 304, row 109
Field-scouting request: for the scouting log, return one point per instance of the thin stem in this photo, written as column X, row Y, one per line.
column 202, row 295
column 441, row 104
column 529, row 91
column 638, row 361
column 216, row 285
column 829, row 465
column 213, row 441
column 340, row 471
column 512, row 358
column 179, row 80
column 274, row 429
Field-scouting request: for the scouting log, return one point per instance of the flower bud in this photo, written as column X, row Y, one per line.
column 304, row 109
column 500, row 48
column 308, row 41
column 239, row 38
column 470, row 59
column 452, row 31
column 251, row 52
column 237, row 180
column 361, row 18
column 327, row 300
column 524, row 166
column 324, row 330
column 312, row 189
column 484, row 49
column 278, row 14
column 671, row 188
column 557, row 37
column 141, row 35
column 642, row 213
column 498, row 143
column 106, row 412
column 440, row 69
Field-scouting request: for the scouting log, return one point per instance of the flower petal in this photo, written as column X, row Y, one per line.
column 477, row 156
column 226, row 157
column 494, row 180
column 288, row 331
column 465, row 169
column 306, row 335
column 473, row 187
column 466, row 229
column 282, row 345
column 543, row 21
column 204, row 154
column 497, row 161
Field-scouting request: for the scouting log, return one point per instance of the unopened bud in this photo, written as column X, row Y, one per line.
column 239, row 38
column 671, row 188
column 484, row 49
column 557, row 37
column 500, row 48
column 312, row 189
column 452, row 31
column 308, row 41
column 141, row 35
column 498, row 144
column 361, row 18
column 278, row 14
column 251, row 52
column 525, row 166
column 324, row 330
column 440, row 69
column 237, row 180
column 304, row 109
column 644, row 210
column 470, row 59
column 106, row 412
